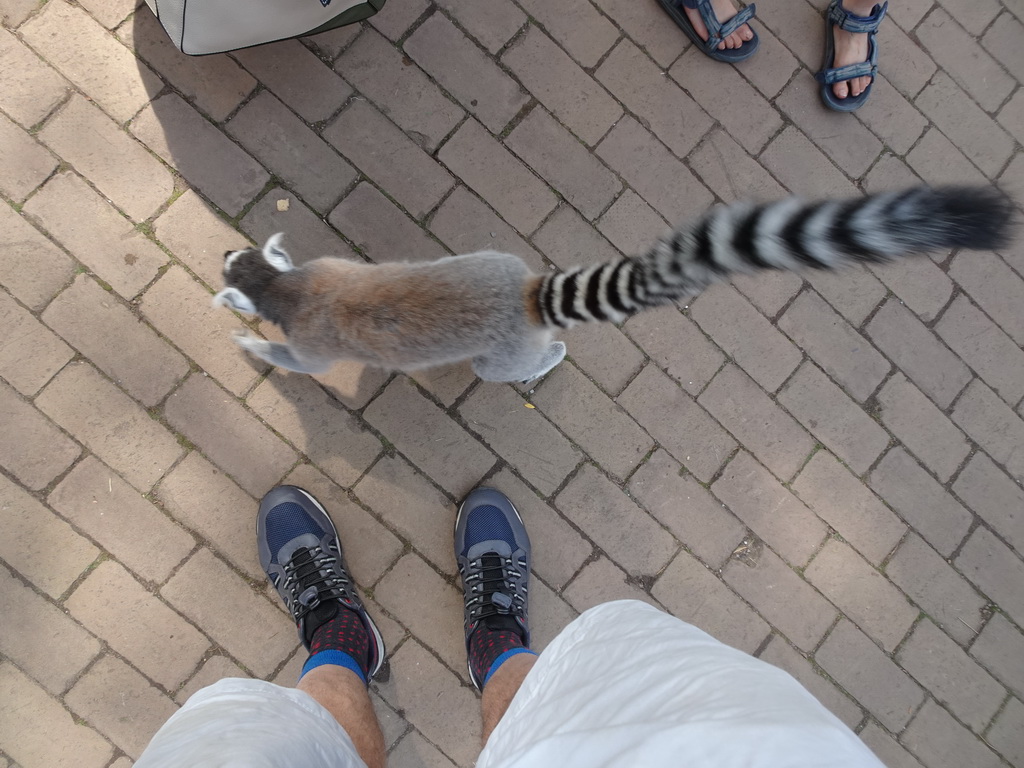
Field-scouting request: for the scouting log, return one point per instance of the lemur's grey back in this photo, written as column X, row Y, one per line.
column 789, row 234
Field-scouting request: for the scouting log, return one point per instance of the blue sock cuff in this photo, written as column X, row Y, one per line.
column 337, row 658
column 503, row 658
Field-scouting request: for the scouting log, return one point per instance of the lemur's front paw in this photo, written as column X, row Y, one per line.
column 244, row 339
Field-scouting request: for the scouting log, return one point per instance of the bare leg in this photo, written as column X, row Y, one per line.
column 501, row 688
column 343, row 694
column 852, row 48
column 724, row 10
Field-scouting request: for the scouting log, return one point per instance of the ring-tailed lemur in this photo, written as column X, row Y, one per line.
column 488, row 306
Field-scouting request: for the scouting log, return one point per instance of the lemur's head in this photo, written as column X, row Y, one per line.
column 248, row 272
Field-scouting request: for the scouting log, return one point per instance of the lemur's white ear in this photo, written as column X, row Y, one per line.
column 276, row 255
column 234, row 298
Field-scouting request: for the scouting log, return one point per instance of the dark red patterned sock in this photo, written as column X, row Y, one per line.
column 344, row 634
column 486, row 645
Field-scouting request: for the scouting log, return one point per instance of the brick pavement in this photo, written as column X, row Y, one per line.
column 823, row 470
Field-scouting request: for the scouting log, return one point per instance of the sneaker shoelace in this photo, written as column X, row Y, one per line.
column 310, row 580
column 492, row 589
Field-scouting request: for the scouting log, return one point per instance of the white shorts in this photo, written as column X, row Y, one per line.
column 624, row 685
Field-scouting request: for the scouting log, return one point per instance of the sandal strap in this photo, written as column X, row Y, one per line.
column 851, row 22
column 850, row 71
column 717, row 32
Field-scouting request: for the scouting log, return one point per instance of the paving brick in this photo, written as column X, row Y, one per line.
column 24, row 165
column 662, row 180
column 994, row 496
column 773, row 67
column 290, row 149
column 921, row 285
column 691, row 592
column 605, row 354
column 316, row 424
column 960, row 56
column 936, row 160
column 782, row 597
column 995, row 570
column 33, row 628
column 798, row 25
column 1011, row 116
column 745, row 115
column 906, row 65
column 630, row 223
column 31, row 532
column 645, row 25
column 394, row 22
column 466, row 224
column 297, row 77
column 918, row 353
column 601, row 581
column 558, row 549
column 921, row 427
column 842, row 352
column 756, row 422
column 119, row 167
column 559, row 84
column 37, row 731
column 501, row 179
column 570, row 241
column 854, row 292
column 973, row 16
column 921, row 501
column 208, row 160
column 213, row 669
column 1000, row 41
column 242, row 621
column 215, row 83
column 1012, row 179
column 465, row 72
column 217, row 423
column 782, row 655
column 400, row 91
column 616, row 524
column 549, row 615
column 110, row 13
column 14, row 12
column 672, row 116
column 993, row 425
column 434, row 622
column 589, row 417
column 414, row 751
column 492, row 22
column 385, row 154
column 521, row 436
column 769, row 291
column 889, row 174
column 999, row 648
column 732, row 174
column 1005, row 733
column 446, row 382
column 20, row 241
column 770, row 510
column 955, row 680
column 940, row 741
column 681, row 426
column 29, row 89
column 307, row 235
column 850, row 145
column 886, row 748
column 369, row 547
column 861, row 593
column 121, row 704
column 157, row 640
column 109, row 74
column 564, row 162
column 579, row 28
column 32, row 354
column 849, row 507
column 95, row 233
column 801, row 166
column 891, row 117
column 380, row 230
column 121, row 520
column 869, row 675
column 688, row 510
column 43, row 452
column 995, row 287
column 427, row 695
column 392, row 725
column 198, row 236
column 430, row 439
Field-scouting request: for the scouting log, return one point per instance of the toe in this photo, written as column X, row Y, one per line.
column 746, row 33
column 841, row 90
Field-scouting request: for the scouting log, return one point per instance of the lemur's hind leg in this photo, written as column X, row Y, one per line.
column 495, row 368
column 279, row 354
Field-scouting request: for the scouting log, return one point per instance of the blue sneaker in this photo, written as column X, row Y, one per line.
column 492, row 550
column 301, row 555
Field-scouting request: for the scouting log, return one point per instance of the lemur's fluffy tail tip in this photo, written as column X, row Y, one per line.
column 980, row 218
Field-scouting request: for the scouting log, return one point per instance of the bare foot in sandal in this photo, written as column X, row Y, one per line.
column 851, row 48
column 724, row 10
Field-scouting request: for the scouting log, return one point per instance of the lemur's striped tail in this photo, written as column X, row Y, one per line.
column 790, row 234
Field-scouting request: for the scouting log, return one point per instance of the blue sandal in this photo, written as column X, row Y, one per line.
column 717, row 32
column 837, row 16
